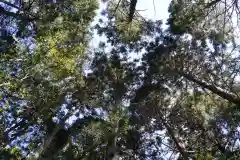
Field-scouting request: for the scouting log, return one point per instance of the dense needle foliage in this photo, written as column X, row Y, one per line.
column 61, row 98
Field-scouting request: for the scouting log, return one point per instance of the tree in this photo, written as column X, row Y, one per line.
column 172, row 62
column 37, row 78
column 176, row 101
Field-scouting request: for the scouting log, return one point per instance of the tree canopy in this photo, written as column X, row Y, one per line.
column 61, row 98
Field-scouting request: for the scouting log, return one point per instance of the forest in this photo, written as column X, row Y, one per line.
column 143, row 92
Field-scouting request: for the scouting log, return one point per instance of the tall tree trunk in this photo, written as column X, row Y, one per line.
column 111, row 147
column 45, row 145
column 171, row 133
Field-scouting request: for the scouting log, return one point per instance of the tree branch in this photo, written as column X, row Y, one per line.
column 15, row 15
column 227, row 96
column 10, row 4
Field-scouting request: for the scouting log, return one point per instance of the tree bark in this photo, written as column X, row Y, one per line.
column 171, row 133
column 45, row 145
column 111, row 147
column 224, row 95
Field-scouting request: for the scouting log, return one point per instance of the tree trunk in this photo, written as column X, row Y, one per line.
column 171, row 133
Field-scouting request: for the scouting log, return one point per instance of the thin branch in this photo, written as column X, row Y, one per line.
column 154, row 8
column 212, row 4
column 4, row 84
column 117, row 6
column 15, row 15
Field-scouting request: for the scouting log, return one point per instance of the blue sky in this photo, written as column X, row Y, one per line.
column 151, row 9
column 146, row 9
column 159, row 13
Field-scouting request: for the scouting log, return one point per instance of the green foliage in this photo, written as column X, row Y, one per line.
column 175, row 102
column 11, row 153
column 127, row 30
